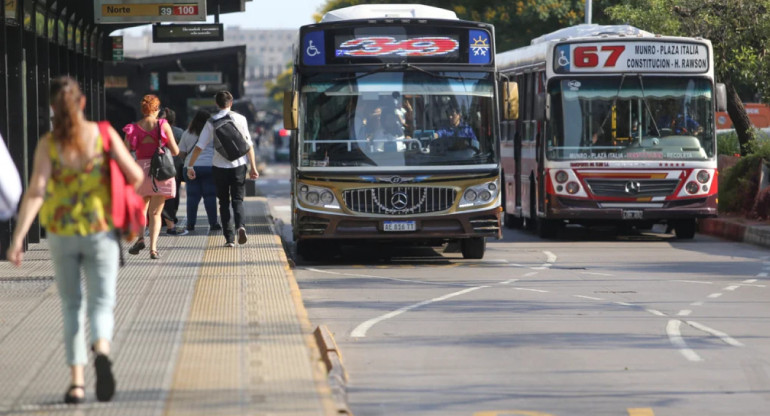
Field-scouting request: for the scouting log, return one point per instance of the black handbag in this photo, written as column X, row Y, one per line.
column 162, row 163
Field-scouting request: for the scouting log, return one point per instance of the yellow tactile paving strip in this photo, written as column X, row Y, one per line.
column 246, row 345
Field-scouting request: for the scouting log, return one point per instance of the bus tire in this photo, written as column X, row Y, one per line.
column 685, row 229
column 473, row 248
column 547, row 228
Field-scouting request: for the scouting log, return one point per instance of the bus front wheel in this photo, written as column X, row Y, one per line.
column 473, row 248
column 685, row 229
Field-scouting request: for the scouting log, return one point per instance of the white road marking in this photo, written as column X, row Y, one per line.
column 360, row 330
column 693, row 281
column 529, row 274
column 731, row 288
column 675, row 337
column 508, row 281
column 549, row 257
column 596, row 274
column 724, row 337
column 655, row 312
column 684, row 312
column 532, row 290
column 587, row 297
column 714, row 295
column 697, row 303
column 623, row 303
column 750, row 281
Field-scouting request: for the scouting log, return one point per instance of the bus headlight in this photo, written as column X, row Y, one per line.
column 317, row 196
column 561, row 176
column 692, row 187
column 480, row 194
column 573, row 188
column 703, row 176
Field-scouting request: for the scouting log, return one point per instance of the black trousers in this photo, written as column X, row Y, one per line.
column 231, row 188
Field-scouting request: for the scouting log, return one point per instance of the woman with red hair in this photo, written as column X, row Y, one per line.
column 143, row 137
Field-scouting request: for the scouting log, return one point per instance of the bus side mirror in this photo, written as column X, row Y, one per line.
column 510, row 100
column 290, row 101
column 540, row 107
column 721, row 97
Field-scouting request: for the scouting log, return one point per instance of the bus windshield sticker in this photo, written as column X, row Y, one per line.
column 313, row 52
column 381, row 46
column 479, row 47
column 636, row 56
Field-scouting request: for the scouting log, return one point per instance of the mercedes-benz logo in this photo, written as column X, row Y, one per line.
column 398, row 200
column 633, row 187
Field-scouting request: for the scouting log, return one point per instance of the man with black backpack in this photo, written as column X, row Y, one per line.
column 233, row 157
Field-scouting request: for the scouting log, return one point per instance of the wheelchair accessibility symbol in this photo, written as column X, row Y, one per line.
column 311, row 49
column 563, row 61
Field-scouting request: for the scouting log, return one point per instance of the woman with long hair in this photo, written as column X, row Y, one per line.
column 203, row 185
column 79, row 228
column 143, row 137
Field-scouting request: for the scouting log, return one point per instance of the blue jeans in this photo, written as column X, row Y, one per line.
column 202, row 186
column 98, row 255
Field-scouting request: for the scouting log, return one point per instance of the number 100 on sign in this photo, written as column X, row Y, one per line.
column 184, row 10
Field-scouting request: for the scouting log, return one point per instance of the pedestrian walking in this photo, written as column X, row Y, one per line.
column 10, row 184
column 143, row 137
column 203, row 185
column 79, row 226
column 229, row 175
column 171, row 206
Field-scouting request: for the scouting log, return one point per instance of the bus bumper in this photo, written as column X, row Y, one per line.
column 585, row 211
column 315, row 225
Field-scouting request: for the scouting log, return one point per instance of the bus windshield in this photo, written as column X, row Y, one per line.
column 631, row 117
column 391, row 119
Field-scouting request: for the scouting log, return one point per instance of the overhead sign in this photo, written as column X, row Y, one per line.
column 655, row 56
column 149, row 11
column 194, row 78
column 195, row 32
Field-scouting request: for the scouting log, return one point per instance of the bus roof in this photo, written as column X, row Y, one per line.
column 591, row 30
column 395, row 11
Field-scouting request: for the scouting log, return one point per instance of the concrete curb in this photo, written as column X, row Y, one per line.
column 736, row 231
column 337, row 376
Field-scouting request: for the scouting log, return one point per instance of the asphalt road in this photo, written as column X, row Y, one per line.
column 592, row 323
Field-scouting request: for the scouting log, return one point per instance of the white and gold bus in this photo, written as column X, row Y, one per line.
column 616, row 126
column 394, row 121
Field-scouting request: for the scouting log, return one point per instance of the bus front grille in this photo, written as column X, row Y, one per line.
column 632, row 188
column 402, row 200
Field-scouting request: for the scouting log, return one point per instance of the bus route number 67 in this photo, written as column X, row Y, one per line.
column 588, row 56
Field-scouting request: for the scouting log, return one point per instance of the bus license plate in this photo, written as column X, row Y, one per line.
column 632, row 214
column 399, row 226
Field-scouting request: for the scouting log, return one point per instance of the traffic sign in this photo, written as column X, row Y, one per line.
column 149, row 11
column 191, row 32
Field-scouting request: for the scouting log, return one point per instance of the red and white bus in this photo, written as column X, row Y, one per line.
column 616, row 126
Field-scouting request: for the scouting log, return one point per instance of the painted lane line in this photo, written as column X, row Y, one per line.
column 369, row 276
column 750, row 281
column 724, row 337
column 656, row 312
column 675, row 337
column 597, row 274
column 684, row 312
column 531, row 290
column 693, row 281
column 731, row 288
column 360, row 330
column 509, row 281
column 696, row 304
column 623, row 303
column 550, row 257
column 714, row 295
column 587, row 297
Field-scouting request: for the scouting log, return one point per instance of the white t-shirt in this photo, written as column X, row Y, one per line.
column 188, row 142
column 207, row 138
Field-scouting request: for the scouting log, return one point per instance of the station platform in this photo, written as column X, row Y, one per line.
column 205, row 330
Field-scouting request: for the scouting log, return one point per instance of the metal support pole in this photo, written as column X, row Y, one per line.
column 588, row 11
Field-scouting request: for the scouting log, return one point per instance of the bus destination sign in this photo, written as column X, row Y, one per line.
column 190, row 32
column 637, row 56
column 149, row 11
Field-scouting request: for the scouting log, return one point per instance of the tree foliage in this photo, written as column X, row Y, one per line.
column 739, row 31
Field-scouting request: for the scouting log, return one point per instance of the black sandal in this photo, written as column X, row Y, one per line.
column 69, row 398
column 105, row 381
column 154, row 254
column 137, row 247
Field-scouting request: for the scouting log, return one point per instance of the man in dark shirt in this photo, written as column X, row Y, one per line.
column 457, row 128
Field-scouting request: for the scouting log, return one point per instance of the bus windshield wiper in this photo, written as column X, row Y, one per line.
column 431, row 73
column 401, row 65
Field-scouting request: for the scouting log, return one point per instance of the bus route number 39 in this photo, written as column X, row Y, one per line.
column 589, row 56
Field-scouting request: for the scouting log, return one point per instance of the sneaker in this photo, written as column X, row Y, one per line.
column 176, row 231
column 215, row 227
column 229, row 244
column 242, row 238
column 137, row 247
